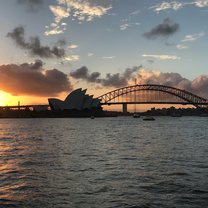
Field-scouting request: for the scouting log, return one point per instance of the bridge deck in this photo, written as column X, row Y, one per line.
column 152, row 102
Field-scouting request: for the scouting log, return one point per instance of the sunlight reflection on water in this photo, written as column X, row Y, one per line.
column 104, row 162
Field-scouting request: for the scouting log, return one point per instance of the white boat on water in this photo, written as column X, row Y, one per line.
column 148, row 118
column 136, row 115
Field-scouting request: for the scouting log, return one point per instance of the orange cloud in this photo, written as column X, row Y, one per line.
column 32, row 79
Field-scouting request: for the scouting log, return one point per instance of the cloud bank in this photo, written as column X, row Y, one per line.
column 198, row 86
column 32, row 79
column 34, row 46
column 163, row 30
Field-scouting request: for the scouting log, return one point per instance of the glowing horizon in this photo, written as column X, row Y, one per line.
column 49, row 48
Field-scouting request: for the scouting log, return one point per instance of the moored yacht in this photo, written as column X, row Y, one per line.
column 136, row 115
column 148, row 118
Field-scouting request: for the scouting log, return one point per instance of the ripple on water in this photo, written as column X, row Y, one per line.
column 108, row 162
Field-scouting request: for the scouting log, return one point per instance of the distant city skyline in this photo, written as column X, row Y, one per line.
column 49, row 48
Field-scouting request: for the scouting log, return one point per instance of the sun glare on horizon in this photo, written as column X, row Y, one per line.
column 6, row 98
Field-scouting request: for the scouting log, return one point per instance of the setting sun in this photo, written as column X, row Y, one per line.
column 5, row 98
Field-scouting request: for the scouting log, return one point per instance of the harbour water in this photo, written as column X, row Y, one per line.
column 119, row 162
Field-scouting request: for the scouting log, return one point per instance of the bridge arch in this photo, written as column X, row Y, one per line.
column 187, row 97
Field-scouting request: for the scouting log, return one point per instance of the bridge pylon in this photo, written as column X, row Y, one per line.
column 124, row 107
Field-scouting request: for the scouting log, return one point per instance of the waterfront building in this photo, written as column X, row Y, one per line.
column 76, row 100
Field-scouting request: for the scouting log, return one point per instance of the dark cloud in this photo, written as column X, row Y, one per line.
column 197, row 86
column 165, row 29
column 34, row 46
column 32, row 79
column 83, row 74
column 119, row 79
column 37, row 65
column 110, row 80
column 32, row 5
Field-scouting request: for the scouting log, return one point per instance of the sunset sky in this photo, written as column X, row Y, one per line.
column 50, row 47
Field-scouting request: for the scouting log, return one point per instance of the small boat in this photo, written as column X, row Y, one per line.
column 136, row 115
column 148, row 118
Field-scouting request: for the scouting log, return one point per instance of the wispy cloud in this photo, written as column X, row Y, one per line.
column 181, row 46
column 176, row 5
column 82, row 10
column 73, row 46
column 55, row 31
column 124, row 26
column 188, row 39
column 162, row 57
column 201, row 3
column 127, row 25
column 134, row 13
column 72, row 58
column 109, row 57
column 128, row 21
column 90, row 54
column 193, row 37
column 59, row 12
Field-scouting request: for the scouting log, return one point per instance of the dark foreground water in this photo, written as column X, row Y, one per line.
column 105, row 162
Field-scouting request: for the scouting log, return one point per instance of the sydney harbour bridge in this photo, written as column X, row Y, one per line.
column 143, row 94
column 152, row 94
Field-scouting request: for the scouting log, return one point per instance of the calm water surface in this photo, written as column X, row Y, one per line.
column 104, row 163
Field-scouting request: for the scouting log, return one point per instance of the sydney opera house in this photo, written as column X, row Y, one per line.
column 76, row 100
column 77, row 104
